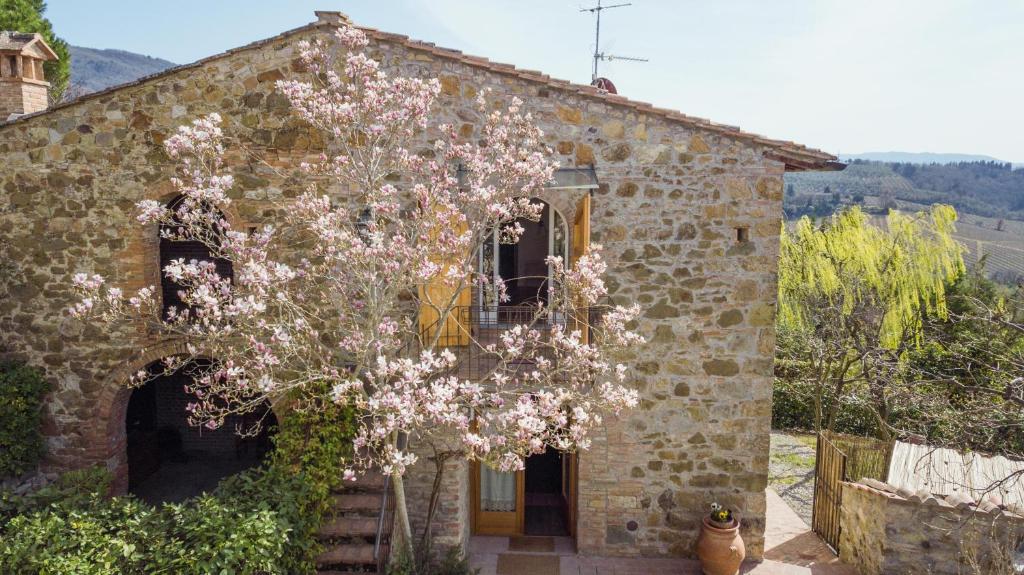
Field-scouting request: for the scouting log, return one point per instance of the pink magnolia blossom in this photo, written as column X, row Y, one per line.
column 330, row 292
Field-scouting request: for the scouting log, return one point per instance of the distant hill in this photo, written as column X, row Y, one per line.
column 919, row 157
column 93, row 70
column 990, row 189
column 988, row 195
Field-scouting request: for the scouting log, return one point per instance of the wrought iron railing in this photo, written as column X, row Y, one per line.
column 385, row 525
column 467, row 331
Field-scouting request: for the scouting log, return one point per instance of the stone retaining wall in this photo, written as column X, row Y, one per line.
column 888, row 530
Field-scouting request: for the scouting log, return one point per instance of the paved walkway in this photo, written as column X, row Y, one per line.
column 790, row 549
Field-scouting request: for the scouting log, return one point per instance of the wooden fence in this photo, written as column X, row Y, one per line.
column 945, row 472
column 840, row 458
column 865, row 456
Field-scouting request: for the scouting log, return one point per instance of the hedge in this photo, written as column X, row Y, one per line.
column 264, row 520
column 255, row 522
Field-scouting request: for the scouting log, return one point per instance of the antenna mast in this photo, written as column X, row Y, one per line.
column 598, row 54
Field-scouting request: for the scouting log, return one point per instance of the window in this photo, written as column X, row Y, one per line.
column 187, row 250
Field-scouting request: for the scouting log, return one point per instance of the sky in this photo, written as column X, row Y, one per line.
column 943, row 76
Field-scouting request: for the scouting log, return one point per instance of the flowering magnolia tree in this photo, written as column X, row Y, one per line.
column 332, row 292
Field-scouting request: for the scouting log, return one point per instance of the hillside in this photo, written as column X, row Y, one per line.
column 990, row 189
column 918, row 158
column 989, row 197
column 93, row 69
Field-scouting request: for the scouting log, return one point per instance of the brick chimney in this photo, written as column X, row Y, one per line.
column 23, row 87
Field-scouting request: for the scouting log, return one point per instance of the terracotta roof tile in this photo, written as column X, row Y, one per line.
column 795, row 156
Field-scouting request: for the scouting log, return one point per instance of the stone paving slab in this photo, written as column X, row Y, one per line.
column 791, row 548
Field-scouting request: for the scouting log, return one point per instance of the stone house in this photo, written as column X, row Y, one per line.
column 688, row 212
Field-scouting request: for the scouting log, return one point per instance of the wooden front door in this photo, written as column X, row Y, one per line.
column 498, row 500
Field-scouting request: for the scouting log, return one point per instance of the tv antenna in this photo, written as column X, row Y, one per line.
column 598, row 54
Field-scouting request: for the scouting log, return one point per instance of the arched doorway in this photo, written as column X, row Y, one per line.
column 170, row 460
column 522, row 265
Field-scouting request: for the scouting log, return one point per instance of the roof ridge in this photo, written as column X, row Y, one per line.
column 793, row 154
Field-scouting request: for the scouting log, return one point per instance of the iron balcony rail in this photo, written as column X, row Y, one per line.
column 469, row 330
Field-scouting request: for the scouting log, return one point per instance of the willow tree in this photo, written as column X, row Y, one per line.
column 853, row 297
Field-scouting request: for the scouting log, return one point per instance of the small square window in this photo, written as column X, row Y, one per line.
column 742, row 235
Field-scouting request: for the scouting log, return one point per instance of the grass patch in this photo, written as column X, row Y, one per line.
column 793, row 459
column 807, row 439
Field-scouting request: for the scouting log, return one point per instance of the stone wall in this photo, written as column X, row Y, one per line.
column 886, row 530
column 671, row 199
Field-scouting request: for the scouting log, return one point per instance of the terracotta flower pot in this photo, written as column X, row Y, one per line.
column 720, row 550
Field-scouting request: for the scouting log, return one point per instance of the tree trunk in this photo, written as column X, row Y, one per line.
column 402, row 517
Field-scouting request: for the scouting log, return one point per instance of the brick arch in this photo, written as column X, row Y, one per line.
column 112, row 407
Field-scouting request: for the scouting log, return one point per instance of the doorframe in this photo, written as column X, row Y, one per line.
column 489, row 311
column 483, row 524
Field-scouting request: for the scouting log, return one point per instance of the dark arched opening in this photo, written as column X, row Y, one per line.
column 170, row 460
column 523, row 265
column 186, row 250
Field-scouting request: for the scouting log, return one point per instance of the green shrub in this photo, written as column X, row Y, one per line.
column 73, row 489
column 793, row 408
column 103, row 537
column 261, row 521
column 264, row 520
column 255, row 522
column 21, row 400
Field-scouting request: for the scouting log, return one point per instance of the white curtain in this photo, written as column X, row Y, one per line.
column 497, row 490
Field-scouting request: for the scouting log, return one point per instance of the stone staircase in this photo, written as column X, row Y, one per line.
column 349, row 532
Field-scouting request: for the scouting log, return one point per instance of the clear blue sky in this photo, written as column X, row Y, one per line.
column 846, row 76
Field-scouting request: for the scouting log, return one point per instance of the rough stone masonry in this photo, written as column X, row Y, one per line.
column 688, row 213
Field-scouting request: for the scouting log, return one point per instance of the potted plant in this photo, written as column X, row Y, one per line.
column 720, row 547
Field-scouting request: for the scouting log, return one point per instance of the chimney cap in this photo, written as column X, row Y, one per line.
column 331, row 17
column 26, row 44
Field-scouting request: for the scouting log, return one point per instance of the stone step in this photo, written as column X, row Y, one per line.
column 371, row 481
column 349, row 527
column 368, row 503
column 347, row 554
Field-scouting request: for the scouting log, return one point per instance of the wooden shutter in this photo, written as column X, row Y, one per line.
column 580, row 246
column 455, row 329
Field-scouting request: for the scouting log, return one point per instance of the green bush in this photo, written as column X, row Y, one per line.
column 73, row 489
column 264, row 520
column 793, row 408
column 21, row 400
column 255, row 522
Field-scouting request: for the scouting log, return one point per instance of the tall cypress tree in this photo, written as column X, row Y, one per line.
column 27, row 16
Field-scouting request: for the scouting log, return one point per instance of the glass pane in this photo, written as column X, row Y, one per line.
column 497, row 490
column 488, row 297
column 558, row 233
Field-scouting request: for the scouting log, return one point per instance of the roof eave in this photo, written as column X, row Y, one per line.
column 806, row 162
